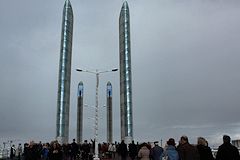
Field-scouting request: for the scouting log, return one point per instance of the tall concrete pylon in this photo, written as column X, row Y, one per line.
column 109, row 113
column 64, row 76
column 125, row 75
column 80, row 113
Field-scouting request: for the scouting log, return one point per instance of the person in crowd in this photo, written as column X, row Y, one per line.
column 170, row 151
column 227, row 151
column 187, row 151
column 55, row 152
column 25, row 151
column 99, row 149
column 66, row 149
column 38, row 148
column 30, row 151
column 104, row 150
column 12, row 152
column 144, row 152
column 91, row 150
column 156, row 152
column 114, row 149
column 204, row 151
column 19, row 151
column 85, row 150
column 132, row 147
column 74, row 150
column 110, row 150
column 44, row 152
column 122, row 150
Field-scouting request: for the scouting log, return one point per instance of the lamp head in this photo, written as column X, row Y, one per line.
column 79, row 70
column 114, row 70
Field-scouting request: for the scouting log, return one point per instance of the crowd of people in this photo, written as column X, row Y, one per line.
column 114, row 151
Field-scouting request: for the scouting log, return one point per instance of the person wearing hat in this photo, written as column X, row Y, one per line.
column 170, row 152
column 156, row 152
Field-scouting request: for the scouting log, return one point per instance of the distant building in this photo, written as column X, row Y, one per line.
column 236, row 143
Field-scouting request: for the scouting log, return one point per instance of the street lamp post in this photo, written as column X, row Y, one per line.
column 97, row 73
column 93, row 118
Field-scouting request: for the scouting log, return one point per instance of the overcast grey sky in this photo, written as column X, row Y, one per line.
column 185, row 67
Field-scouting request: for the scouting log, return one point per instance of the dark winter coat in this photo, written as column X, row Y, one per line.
column 133, row 150
column 227, row 152
column 205, row 152
column 156, row 153
column 188, row 152
column 55, row 154
column 122, row 150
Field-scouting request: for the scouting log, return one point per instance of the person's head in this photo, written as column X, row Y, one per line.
column 31, row 144
column 144, row 144
column 74, row 140
column 183, row 140
column 202, row 141
column 26, row 145
column 54, row 145
column 44, row 145
column 171, row 142
column 226, row 139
